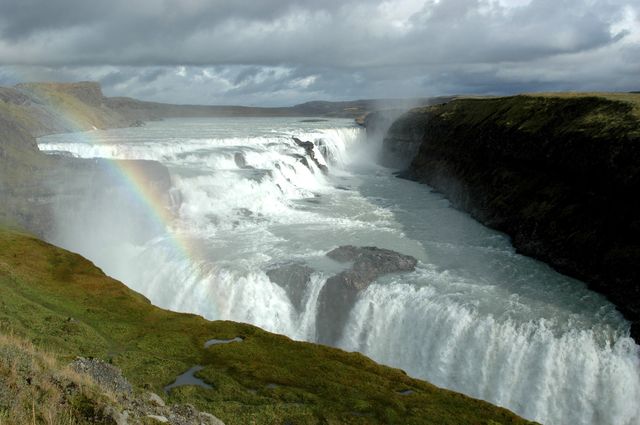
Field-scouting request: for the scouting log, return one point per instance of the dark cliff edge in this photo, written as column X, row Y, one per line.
column 560, row 174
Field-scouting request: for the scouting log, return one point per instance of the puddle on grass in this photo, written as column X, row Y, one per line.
column 222, row 341
column 188, row 378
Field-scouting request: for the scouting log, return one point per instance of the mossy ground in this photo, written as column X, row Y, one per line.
column 68, row 307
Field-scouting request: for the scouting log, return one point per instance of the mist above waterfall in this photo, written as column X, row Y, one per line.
column 474, row 316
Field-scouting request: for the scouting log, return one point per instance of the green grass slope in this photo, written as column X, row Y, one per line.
column 66, row 306
column 36, row 388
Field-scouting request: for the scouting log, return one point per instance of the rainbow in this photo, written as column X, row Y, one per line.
column 131, row 173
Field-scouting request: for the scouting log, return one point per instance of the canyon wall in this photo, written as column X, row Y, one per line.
column 559, row 174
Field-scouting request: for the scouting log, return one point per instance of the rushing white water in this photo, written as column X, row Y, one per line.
column 475, row 316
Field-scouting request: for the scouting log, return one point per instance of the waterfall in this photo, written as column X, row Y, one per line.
column 474, row 317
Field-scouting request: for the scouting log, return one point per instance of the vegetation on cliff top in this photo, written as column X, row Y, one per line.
column 63, row 304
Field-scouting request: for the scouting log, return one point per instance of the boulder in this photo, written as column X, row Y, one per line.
column 155, row 399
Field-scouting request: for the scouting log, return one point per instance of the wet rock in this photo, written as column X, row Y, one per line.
column 241, row 161
column 309, row 149
column 303, row 160
column 369, row 263
column 340, row 292
column 104, row 374
column 293, row 278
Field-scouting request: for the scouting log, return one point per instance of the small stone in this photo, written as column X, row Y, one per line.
column 209, row 419
column 118, row 418
column 185, row 410
column 158, row 418
column 155, row 399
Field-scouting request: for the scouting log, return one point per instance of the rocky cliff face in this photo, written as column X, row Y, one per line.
column 560, row 175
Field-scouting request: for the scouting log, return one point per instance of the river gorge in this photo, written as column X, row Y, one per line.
column 247, row 199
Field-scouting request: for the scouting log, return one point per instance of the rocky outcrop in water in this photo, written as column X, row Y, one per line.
column 309, row 148
column 560, row 175
column 241, row 161
column 340, row 292
column 293, row 278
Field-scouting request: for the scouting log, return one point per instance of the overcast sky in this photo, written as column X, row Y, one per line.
column 278, row 52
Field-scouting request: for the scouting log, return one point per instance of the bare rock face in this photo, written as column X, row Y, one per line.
column 340, row 292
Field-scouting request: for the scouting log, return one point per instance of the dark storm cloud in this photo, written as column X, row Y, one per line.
column 284, row 50
column 21, row 18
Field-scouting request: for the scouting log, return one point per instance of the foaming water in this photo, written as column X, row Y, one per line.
column 475, row 316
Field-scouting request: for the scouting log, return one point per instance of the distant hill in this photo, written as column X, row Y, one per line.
column 45, row 108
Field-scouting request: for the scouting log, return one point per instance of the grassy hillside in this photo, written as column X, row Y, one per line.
column 67, row 307
column 37, row 388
